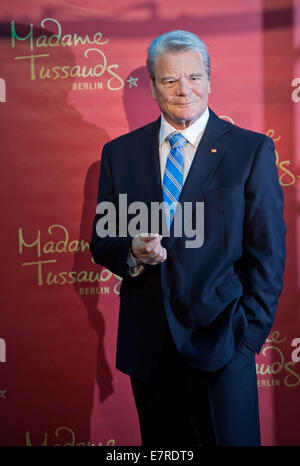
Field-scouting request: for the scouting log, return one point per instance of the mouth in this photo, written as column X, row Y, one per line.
column 185, row 104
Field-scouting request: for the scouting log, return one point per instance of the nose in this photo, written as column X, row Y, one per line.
column 183, row 87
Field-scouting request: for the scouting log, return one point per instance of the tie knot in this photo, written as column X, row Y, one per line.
column 177, row 140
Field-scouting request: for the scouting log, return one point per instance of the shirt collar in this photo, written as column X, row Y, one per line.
column 191, row 133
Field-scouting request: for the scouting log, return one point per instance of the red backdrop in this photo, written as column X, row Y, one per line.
column 72, row 78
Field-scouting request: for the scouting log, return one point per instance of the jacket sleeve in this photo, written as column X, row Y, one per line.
column 264, row 246
column 108, row 248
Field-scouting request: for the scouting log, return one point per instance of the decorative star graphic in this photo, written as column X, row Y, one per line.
column 132, row 81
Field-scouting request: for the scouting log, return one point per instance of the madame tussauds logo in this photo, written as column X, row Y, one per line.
column 188, row 220
column 44, row 254
column 93, row 52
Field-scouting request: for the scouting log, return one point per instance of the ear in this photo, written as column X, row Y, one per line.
column 153, row 90
column 209, row 88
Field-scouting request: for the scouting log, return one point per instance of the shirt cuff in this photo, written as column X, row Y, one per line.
column 135, row 266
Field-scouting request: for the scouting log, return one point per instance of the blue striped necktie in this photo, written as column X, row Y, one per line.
column 173, row 176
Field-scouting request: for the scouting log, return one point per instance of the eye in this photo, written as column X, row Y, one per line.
column 195, row 78
column 169, row 82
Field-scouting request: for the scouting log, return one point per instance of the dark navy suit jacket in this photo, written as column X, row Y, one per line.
column 217, row 296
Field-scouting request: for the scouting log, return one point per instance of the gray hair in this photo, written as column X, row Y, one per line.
column 176, row 41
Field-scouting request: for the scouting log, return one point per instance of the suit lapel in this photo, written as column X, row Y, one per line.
column 208, row 156
column 148, row 164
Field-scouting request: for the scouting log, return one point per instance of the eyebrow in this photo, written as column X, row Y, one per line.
column 192, row 75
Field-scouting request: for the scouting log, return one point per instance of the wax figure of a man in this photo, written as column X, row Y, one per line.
column 192, row 318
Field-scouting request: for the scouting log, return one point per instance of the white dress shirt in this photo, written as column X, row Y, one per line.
column 193, row 134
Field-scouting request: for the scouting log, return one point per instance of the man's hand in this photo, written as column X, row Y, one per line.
column 147, row 249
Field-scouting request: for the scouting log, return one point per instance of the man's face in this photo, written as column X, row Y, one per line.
column 181, row 87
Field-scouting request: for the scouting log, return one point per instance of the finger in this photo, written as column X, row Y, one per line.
column 165, row 254
column 145, row 244
column 151, row 257
column 151, row 245
column 158, row 258
column 150, row 236
column 156, row 251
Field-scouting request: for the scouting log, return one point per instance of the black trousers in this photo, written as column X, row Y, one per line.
column 181, row 406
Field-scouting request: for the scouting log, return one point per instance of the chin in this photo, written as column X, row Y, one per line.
column 186, row 117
